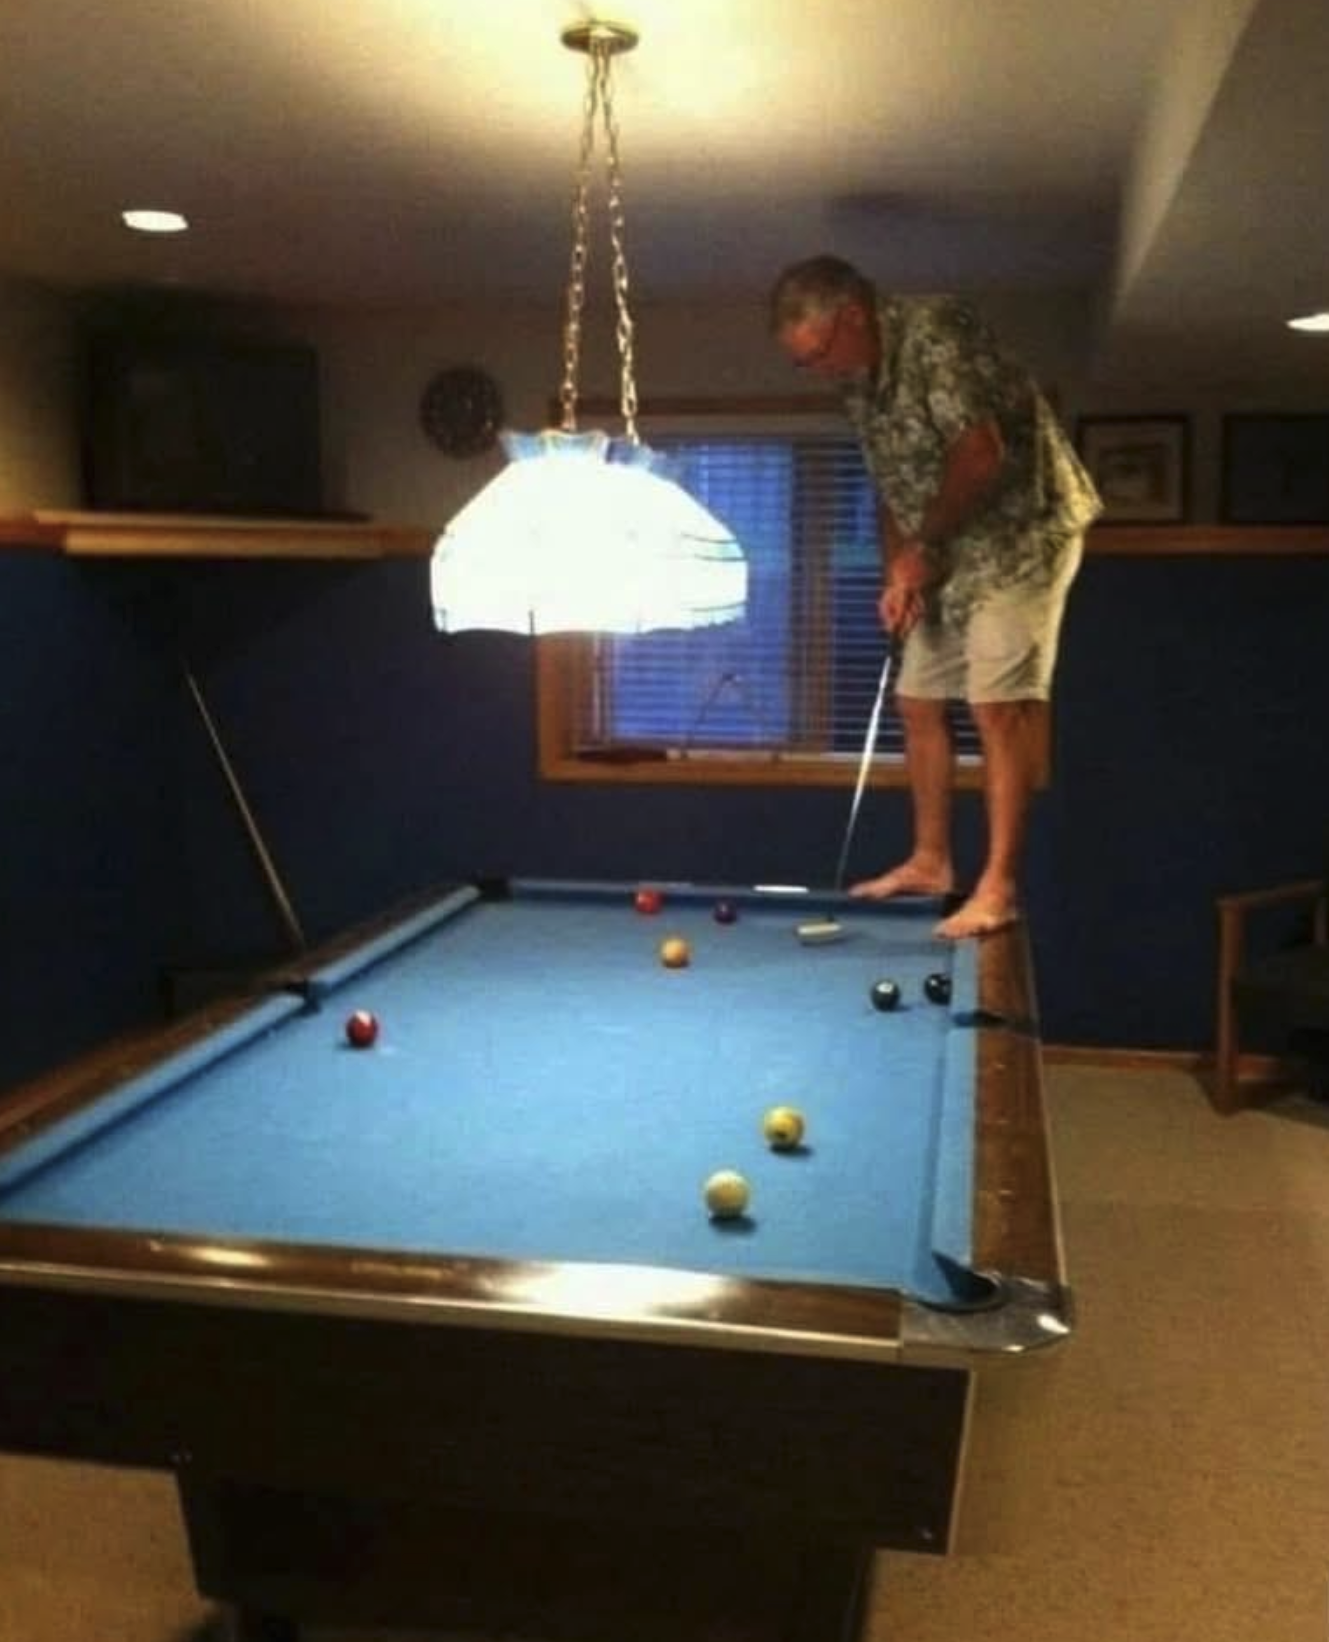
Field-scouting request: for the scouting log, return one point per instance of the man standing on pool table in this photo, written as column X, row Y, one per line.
column 983, row 505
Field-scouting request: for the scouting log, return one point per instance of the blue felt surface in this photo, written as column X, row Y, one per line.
column 543, row 1088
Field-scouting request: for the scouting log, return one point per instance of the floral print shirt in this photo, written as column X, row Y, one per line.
column 941, row 372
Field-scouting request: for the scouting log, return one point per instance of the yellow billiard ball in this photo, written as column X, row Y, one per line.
column 675, row 953
column 783, row 1127
column 727, row 1194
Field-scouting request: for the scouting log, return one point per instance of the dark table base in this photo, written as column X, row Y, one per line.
column 502, row 1574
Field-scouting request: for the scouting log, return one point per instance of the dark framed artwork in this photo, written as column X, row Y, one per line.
column 1140, row 464
column 1275, row 469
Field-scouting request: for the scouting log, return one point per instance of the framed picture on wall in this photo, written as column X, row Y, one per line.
column 1140, row 465
column 1276, row 470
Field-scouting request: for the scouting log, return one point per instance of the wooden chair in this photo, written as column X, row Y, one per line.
column 1280, row 996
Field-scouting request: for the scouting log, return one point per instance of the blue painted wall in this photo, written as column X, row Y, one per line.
column 1190, row 759
column 85, row 855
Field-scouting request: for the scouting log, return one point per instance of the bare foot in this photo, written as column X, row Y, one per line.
column 980, row 915
column 912, row 877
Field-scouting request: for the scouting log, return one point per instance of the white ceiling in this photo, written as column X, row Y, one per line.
column 1168, row 155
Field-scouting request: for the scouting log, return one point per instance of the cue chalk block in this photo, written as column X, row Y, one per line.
column 820, row 931
column 312, row 993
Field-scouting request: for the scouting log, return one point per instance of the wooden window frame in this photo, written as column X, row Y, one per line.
column 564, row 661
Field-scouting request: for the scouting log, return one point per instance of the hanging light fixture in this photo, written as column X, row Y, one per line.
column 582, row 530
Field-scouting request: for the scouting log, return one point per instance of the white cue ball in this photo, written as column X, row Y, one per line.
column 727, row 1194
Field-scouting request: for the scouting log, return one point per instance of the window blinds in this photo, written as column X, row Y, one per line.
column 798, row 675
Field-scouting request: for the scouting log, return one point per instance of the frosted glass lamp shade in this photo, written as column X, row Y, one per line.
column 580, row 532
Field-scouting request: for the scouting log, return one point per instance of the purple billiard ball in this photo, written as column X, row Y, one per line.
column 725, row 912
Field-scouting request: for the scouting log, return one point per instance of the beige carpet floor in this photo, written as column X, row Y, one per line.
column 1164, row 1477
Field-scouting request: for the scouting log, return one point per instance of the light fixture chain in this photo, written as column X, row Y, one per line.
column 581, row 217
column 532, row 554
column 617, row 225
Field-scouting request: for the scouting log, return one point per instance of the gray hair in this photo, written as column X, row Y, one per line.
column 815, row 289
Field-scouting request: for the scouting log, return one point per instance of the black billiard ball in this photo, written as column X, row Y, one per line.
column 724, row 912
column 885, row 995
column 937, row 988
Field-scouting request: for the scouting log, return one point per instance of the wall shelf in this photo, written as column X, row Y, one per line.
column 1201, row 540
column 195, row 536
column 190, row 536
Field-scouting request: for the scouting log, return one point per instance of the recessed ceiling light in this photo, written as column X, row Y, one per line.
column 1311, row 322
column 154, row 222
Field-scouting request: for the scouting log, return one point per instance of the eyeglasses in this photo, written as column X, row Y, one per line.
column 815, row 356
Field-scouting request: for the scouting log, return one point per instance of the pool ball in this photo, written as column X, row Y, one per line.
column 885, row 995
column 727, row 1194
column 648, row 901
column 725, row 912
column 675, row 953
column 361, row 1029
column 783, row 1127
column 937, row 988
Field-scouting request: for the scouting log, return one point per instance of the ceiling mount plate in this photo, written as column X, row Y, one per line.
column 599, row 36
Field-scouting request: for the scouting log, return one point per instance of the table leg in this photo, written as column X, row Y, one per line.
column 833, row 1588
column 250, row 1625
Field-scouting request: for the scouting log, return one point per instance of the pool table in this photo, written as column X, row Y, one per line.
column 440, row 1330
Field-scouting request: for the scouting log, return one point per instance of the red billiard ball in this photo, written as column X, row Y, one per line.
column 648, row 900
column 361, row 1029
column 725, row 912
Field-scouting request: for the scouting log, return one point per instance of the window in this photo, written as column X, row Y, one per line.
column 785, row 695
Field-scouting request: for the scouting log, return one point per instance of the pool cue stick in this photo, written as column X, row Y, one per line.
column 885, row 687
column 281, row 900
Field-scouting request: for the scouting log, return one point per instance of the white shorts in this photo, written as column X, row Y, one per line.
column 1005, row 651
